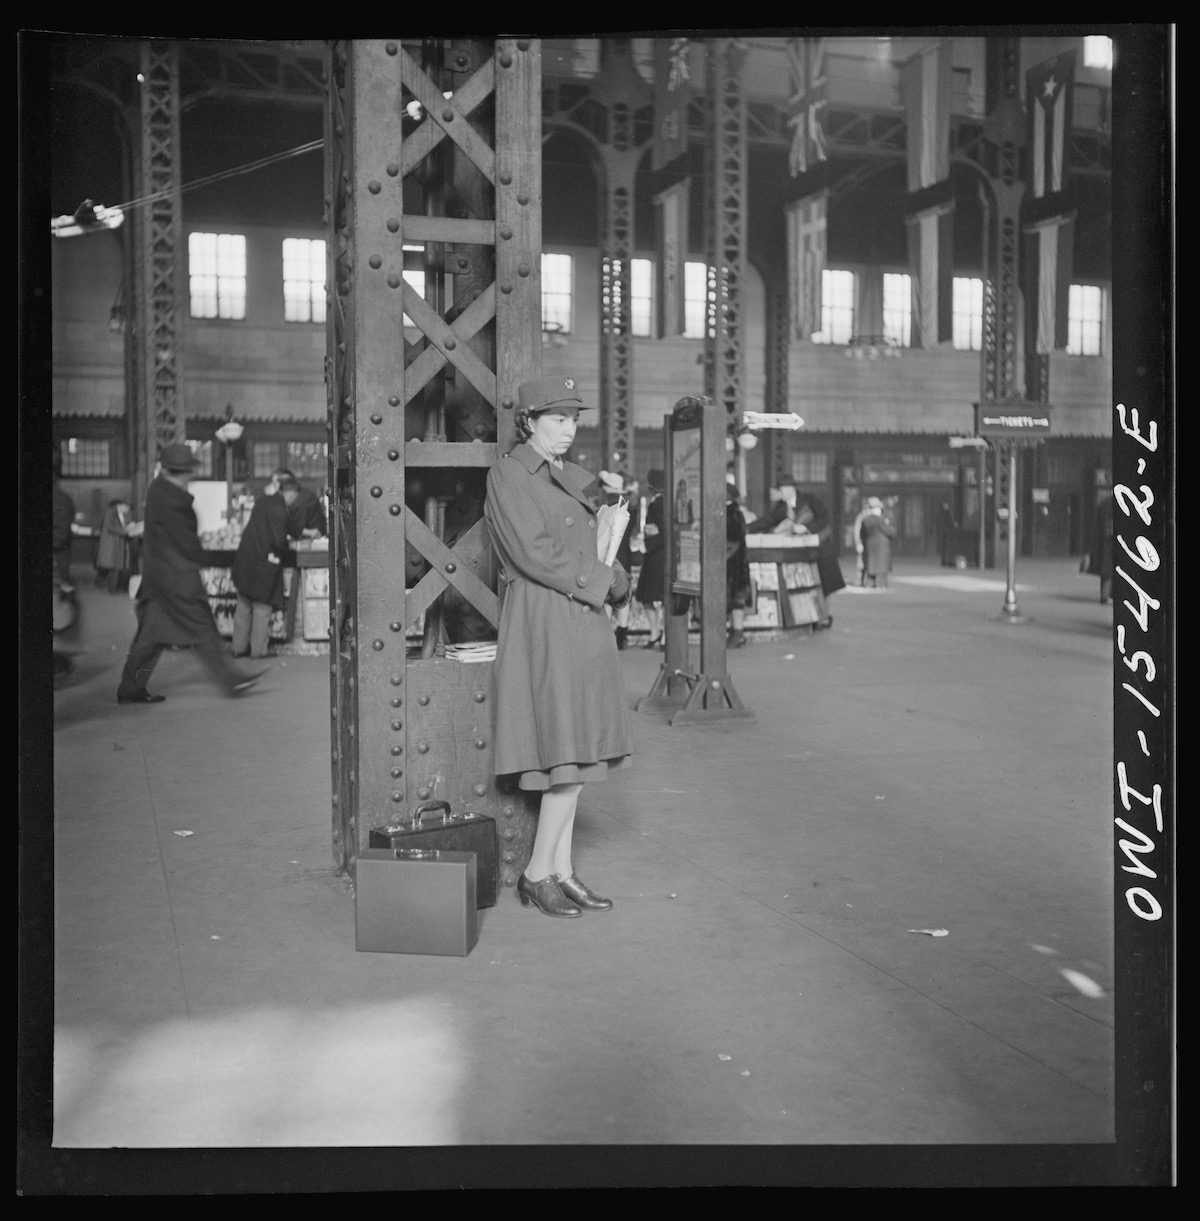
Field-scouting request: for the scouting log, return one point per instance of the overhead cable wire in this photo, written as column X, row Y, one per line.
column 221, row 175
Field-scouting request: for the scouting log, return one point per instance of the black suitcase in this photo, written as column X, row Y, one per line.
column 465, row 832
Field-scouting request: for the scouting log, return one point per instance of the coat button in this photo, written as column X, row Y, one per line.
column 592, row 522
column 570, row 521
column 581, row 582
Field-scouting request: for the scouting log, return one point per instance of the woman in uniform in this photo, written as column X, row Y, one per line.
column 560, row 719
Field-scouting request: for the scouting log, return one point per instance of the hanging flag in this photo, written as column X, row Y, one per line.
column 1049, row 92
column 673, row 90
column 671, row 231
column 806, row 230
column 806, row 103
column 1049, row 260
column 925, row 83
column 931, row 269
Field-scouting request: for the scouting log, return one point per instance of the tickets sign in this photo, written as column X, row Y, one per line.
column 1012, row 420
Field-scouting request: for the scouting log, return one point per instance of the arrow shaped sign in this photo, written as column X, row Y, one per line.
column 94, row 219
column 755, row 420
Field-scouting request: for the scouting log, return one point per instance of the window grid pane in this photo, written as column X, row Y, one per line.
column 203, row 450
column 86, row 456
column 1085, row 320
column 837, row 307
column 307, row 459
column 695, row 299
column 303, row 279
column 556, row 292
column 968, row 314
column 217, row 275
column 897, row 309
column 264, row 459
column 641, row 302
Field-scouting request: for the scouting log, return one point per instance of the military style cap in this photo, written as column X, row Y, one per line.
column 542, row 393
column 178, row 458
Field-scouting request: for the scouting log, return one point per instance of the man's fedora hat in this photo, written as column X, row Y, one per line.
column 178, row 458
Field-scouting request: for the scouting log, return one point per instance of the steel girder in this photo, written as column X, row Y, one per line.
column 414, row 425
column 724, row 355
column 160, row 253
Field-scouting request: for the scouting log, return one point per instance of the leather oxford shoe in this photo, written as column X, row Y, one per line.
column 546, row 896
column 141, row 697
column 578, row 893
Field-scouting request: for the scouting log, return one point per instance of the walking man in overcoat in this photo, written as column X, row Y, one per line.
column 172, row 604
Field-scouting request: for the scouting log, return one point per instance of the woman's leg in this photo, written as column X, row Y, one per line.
column 552, row 841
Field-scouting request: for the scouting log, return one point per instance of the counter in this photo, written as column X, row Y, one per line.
column 305, row 616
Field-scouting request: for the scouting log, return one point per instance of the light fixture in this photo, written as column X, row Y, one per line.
column 871, row 347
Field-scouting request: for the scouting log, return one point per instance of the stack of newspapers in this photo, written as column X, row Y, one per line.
column 479, row 650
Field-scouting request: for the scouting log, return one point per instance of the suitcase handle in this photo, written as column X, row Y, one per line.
column 418, row 854
column 427, row 806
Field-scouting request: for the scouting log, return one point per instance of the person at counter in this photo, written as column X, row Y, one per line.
column 258, row 566
column 306, row 514
column 172, row 603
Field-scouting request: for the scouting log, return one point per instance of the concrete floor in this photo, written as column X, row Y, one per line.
column 766, row 977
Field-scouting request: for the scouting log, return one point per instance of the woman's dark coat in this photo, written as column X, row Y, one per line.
column 560, row 696
column 877, row 535
column 172, row 602
column 737, row 560
column 651, row 579
column 255, row 575
column 817, row 520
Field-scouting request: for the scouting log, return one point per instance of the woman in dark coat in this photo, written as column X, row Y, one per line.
column 258, row 567
column 737, row 568
column 811, row 512
column 1100, row 557
column 113, row 563
column 877, row 534
column 560, row 719
column 652, row 578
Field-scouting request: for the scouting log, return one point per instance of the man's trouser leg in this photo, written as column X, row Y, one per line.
column 139, row 664
column 260, row 628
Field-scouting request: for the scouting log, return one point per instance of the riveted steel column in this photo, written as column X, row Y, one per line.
column 436, row 144
column 616, row 324
column 161, row 264
column 775, row 389
column 726, row 225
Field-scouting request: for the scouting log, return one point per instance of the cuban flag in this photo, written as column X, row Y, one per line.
column 1049, row 259
column 1049, row 88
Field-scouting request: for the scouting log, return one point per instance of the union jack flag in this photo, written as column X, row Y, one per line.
column 807, row 103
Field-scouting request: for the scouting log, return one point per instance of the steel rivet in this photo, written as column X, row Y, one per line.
column 506, row 61
column 376, row 418
column 396, row 702
column 377, row 645
column 450, row 345
column 423, row 700
column 448, row 115
column 397, row 679
column 510, row 856
column 480, row 789
column 397, row 772
column 508, row 833
column 422, row 748
column 451, row 567
column 375, row 262
column 395, row 625
column 390, row 48
column 393, row 225
column 393, row 454
column 397, row 750
column 508, row 810
column 523, row 44
column 480, row 697
column 393, row 281
column 397, row 795
column 480, row 743
column 394, row 510
column 393, row 400
column 506, row 178
column 374, row 187
column 423, row 793
column 377, row 492
column 506, row 231
column 522, row 198
column 506, row 288
column 523, row 270
column 393, row 169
